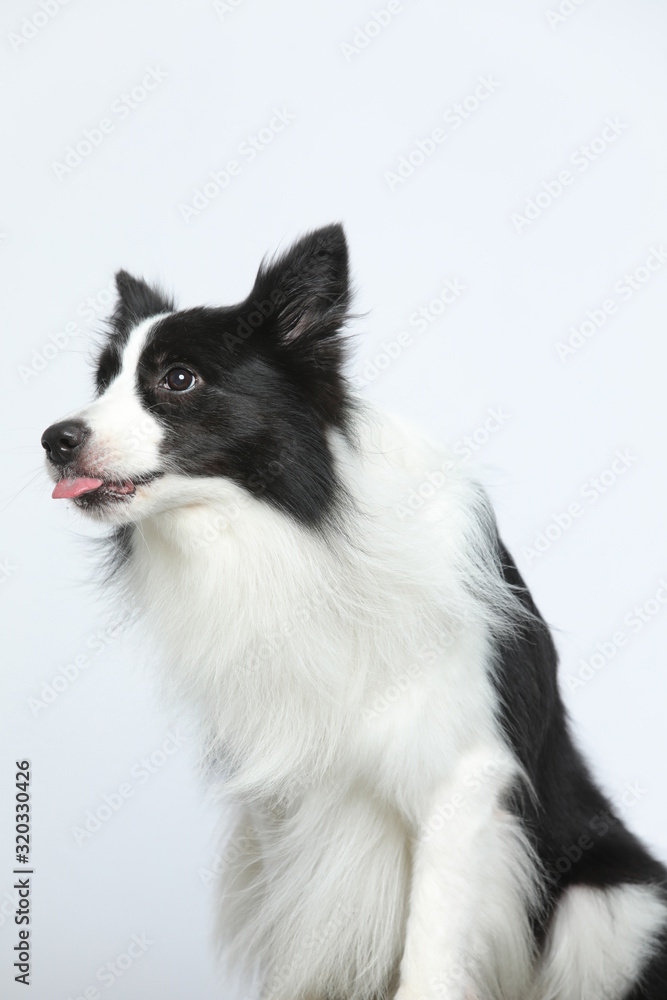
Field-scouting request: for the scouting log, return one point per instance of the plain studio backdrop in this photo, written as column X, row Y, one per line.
column 500, row 171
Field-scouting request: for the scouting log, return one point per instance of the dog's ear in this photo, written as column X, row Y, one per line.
column 309, row 286
column 300, row 304
column 137, row 301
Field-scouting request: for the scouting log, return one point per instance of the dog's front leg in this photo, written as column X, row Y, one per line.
column 440, row 959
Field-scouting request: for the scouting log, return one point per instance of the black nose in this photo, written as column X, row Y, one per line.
column 61, row 441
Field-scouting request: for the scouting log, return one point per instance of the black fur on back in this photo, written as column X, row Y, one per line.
column 270, row 388
column 573, row 828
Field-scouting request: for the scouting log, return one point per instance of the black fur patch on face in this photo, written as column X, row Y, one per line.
column 267, row 381
column 136, row 301
column 108, row 365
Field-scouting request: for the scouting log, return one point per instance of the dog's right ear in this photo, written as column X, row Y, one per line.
column 310, row 286
column 137, row 301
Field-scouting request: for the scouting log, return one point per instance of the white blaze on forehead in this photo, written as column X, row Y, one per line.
column 125, row 437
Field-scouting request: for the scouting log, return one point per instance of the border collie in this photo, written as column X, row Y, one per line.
column 375, row 684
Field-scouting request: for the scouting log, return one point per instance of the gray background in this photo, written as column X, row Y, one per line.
column 355, row 114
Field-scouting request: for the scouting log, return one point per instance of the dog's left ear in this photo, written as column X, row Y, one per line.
column 309, row 287
column 137, row 301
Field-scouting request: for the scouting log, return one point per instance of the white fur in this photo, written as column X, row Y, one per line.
column 125, row 438
column 473, row 878
column 599, row 942
column 280, row 636
column 373, row 837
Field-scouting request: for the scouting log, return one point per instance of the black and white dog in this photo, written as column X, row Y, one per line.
column 379, row 687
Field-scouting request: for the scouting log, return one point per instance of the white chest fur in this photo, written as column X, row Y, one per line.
column 343, row 677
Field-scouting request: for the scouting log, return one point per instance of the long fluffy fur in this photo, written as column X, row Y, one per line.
column 371, row 678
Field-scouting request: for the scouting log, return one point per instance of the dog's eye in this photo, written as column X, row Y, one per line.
column 179, row 380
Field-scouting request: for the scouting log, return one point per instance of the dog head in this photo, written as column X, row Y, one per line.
column 245, row 393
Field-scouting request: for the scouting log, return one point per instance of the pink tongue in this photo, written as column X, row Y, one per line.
column 68, row 488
